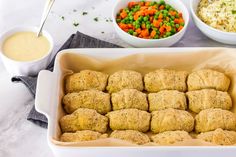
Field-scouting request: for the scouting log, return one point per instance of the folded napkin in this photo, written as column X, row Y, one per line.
column 78, row 40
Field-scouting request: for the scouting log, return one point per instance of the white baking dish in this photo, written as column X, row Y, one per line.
column 48, row 101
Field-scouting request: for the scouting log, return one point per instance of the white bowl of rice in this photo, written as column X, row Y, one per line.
column 216, row 19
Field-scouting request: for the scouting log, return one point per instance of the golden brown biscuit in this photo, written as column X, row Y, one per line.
column 129, row 119
column 86, row 79
column 125, row 79
column 164, row 79
column 211, row 119
column 208, row 98
column 207, row 78
column 170, row 137
column 132, row 136
column 84, row 119
column 171, row 120
column 219, row 137
column 129, row 98
column 167, row 99
column 92, row 99
column 85, row 135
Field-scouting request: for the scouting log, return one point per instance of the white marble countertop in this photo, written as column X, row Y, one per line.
column 18, row 136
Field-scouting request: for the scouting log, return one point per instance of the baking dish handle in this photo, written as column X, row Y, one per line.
column 45, row 89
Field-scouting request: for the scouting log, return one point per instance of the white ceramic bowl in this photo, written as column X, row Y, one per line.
column 139, row 42
column 215, row 34
column 26, row 68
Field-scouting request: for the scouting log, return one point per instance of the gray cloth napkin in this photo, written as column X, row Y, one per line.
column 78, row 40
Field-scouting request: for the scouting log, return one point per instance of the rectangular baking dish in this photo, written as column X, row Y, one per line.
column 48, row 101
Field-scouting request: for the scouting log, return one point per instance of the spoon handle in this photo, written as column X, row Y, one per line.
column 46, row 11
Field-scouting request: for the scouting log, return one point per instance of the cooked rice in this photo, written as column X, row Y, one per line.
column 220, row 14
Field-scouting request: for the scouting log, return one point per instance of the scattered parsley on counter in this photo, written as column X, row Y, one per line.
column 76, row 24
column 96, row 19
column 63, row 18
column 84, row 13
column 102, row 32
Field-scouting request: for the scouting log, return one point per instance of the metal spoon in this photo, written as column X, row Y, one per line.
column 46, row 11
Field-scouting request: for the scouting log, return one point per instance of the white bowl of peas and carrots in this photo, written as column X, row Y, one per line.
column 156, row 23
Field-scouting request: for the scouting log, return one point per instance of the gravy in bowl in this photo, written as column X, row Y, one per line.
column 25, row 46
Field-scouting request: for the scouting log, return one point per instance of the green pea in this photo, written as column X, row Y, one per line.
column 168, row 6
column 168, row 33
column 177, row 15
column 172, row 17
column 155, row 29
column 137, row 26
column 152, row 3
column 165, row 12
column 177, row 25
column 168, row 24
column 140, row 18
column 131, row 31
column 156, row 36
column 161, row 23
column 182, row 24
column 126, row 10
column 173, row 31
column 118, row 20
column 145, row 18
column 135, row 33
column 131, row 18
column 162, row 2
column 148, row 26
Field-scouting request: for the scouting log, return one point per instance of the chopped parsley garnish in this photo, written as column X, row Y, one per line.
column 76, row 24
column 84, row 13
column 96, row 19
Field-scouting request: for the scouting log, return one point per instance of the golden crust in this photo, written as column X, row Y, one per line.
column 170, row 137
column 129, row 98
column 132, row 136
column 219, row 137
column 208, row 79
column 85, row 135
column 171, row 120
column 167, row 99
column 92, row 99
column 208, row 98
column 125, row 79
column 211, row 119
column 164, row 79
column 129, row 119
column 86, row 79
column 84, row 119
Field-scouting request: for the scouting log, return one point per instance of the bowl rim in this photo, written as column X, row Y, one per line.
column 16, row 29
column 151, row 40
column 206, row 25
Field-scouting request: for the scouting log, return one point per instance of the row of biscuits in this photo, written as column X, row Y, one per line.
column 127, row 102
column 158, row 122
column 132, row 98
column 161, row 79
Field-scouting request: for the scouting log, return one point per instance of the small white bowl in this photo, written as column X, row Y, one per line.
column 140, row 42
column 214, row 34
column 25, row 68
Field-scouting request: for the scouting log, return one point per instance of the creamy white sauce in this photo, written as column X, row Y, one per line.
column 25, row 46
